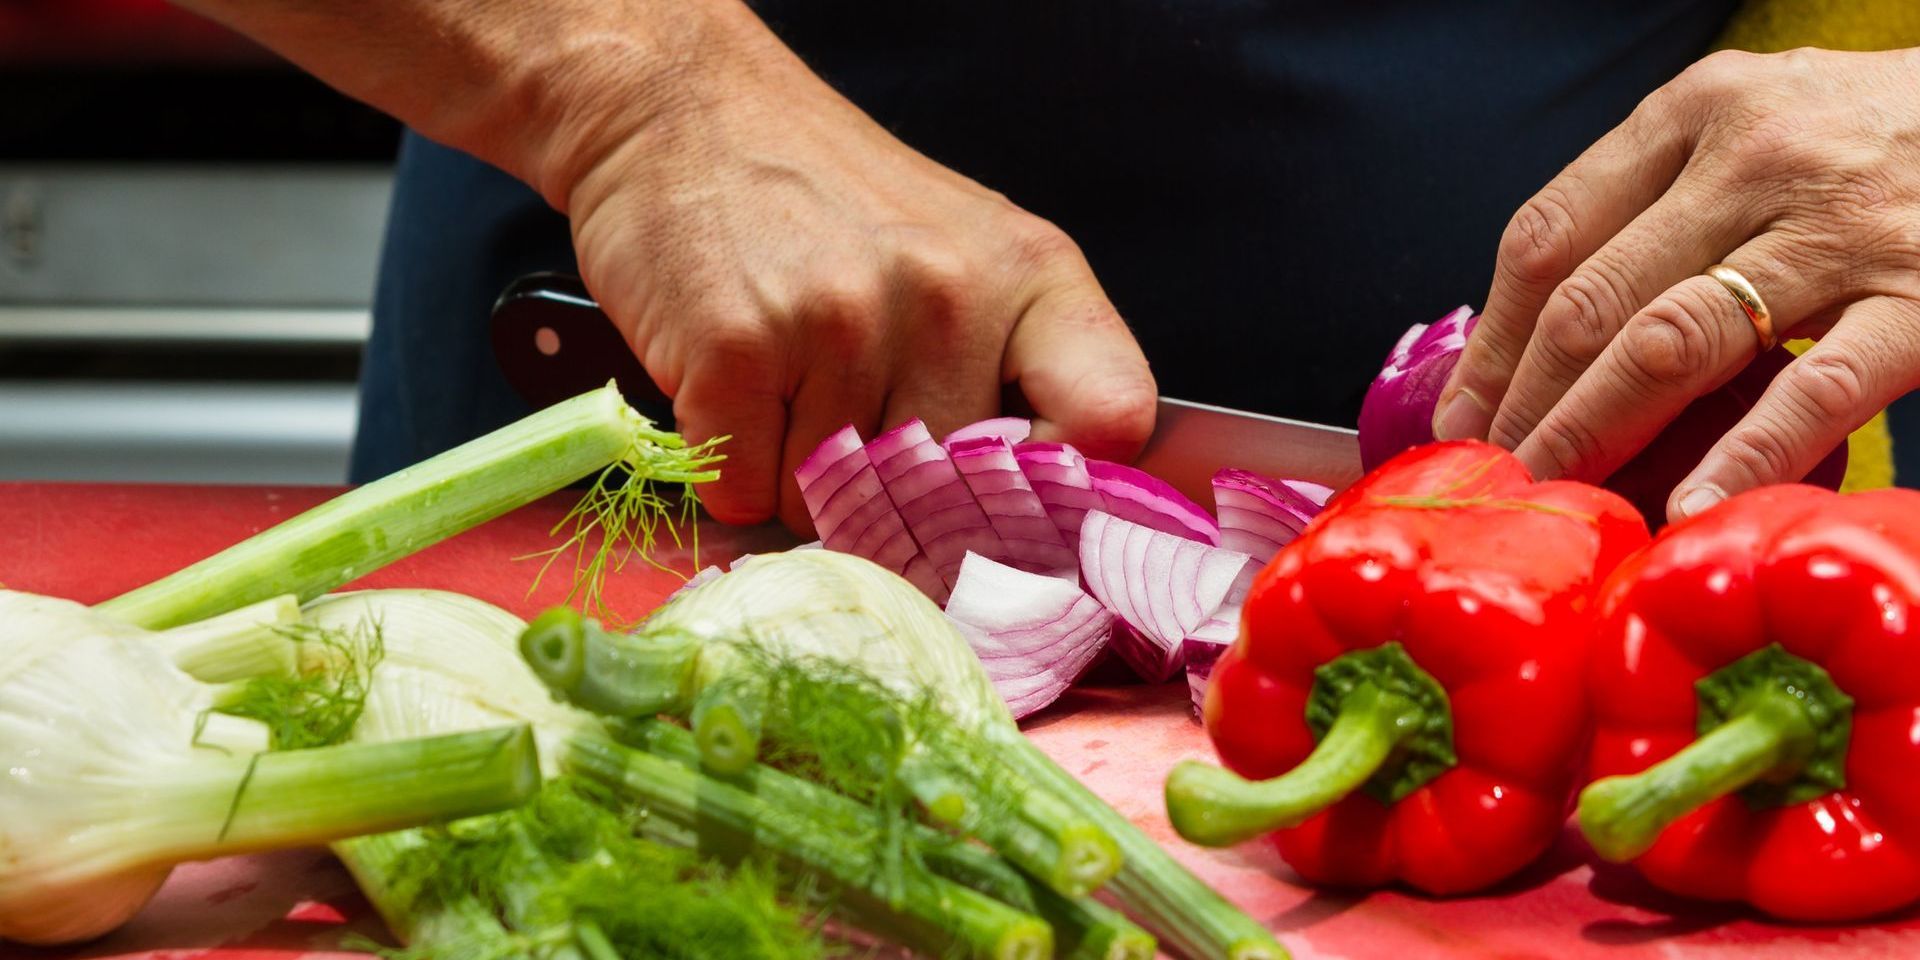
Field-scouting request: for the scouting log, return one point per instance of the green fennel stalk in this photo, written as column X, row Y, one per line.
column 373, row 525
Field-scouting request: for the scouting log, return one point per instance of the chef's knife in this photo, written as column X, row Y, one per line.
column 553, row 342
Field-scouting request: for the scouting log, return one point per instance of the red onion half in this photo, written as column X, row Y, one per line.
column 1398, row 410
column 1035, row 634
column 1399, row 407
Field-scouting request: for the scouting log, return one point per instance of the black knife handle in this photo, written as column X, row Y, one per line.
column 553, row 342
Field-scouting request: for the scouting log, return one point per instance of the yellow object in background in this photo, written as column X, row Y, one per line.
column 1769, row 26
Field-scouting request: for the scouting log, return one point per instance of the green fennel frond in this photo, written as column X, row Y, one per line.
column 317, row 706
column 568, row 875
column 624, row 513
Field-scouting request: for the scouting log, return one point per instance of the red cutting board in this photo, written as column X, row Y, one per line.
column 92, row 542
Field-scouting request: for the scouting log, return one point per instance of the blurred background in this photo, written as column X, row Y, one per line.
column 188, row 234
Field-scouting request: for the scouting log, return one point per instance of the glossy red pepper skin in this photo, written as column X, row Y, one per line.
column 1832, row 579
column 1488, row 580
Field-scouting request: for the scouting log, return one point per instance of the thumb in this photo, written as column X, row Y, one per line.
column 1084, row 375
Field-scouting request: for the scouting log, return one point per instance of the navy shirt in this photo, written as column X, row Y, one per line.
column 1271, row 192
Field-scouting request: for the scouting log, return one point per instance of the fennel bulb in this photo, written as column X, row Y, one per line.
column 115, row 765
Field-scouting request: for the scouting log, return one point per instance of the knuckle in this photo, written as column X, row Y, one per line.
column 1718, row 73
column 736, row 343
column 1568, row 444
column 1760, row 450
column 1537, row 246
column 1038, row 244
column 1573, row 325
column 945, row 291
column 1773, row 146
column 1671, row 341
column 842, row 316
column 1828, row 386
column 1118, row 409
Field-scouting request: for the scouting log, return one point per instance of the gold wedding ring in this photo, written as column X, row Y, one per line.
column 1749, row 300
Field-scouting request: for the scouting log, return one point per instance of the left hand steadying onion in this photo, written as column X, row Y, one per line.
column 1801, row 171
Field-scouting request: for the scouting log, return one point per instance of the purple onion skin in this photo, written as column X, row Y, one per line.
column 1398, row 410
column 1398, row 414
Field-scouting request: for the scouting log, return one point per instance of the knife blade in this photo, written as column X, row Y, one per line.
column 552, row 342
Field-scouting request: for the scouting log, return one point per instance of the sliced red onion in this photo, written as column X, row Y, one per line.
column 1259, row 515
column 1143, row 498
column 938, row 508
column 1035, row 634
column 1058, row 474
column 1204, row 646
column 1011, row 429
column 1160, row 584
column 853, row 514
column 1398, row 410
column 1032, row 542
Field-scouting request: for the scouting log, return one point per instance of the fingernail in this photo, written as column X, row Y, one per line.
column 1462, row 416
column 1699, row 500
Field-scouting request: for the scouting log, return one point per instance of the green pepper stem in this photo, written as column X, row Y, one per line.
column 1213, row 807
column 1769, row 736
column 613, row 674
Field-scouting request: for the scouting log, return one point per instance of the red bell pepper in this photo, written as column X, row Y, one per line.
column 1757, row 671
column 1408, row 673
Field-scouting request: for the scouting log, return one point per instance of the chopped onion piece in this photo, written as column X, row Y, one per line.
column 1032, row 542
column 1035, row 634
column 1161, row 585
column 938, row 508
column 1058, row 474
column 1259, row 515
column 1203, row 647
column 1140, row 497
column 1011, row 429
column 853, row 514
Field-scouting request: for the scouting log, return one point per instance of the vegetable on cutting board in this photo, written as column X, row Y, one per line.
column 1754, row 685
column 846, row 836
column 120, row 763
column 594, row 434
column 987, row 778
column 1405, row 699
column 1397, row 414
column 1147, row 554
column 1034, row 634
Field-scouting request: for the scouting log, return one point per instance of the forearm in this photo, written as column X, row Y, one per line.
column 540, row 89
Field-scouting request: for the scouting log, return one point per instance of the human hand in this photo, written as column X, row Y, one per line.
column 1801, row 171
column 782, row 266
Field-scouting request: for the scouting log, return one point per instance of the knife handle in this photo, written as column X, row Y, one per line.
column 552, row 342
